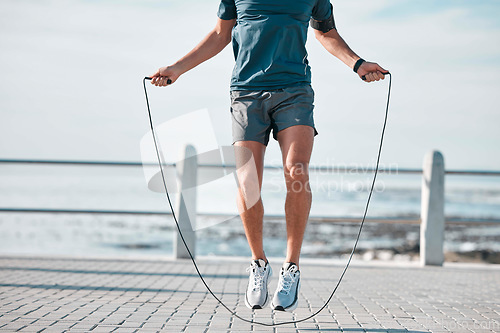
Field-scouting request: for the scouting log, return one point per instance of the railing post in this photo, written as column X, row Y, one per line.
column 186, row 202
column 432, row 210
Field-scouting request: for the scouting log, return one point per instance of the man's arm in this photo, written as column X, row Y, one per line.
column 336, row 45
column 212, row 44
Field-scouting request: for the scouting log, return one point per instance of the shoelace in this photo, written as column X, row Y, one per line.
column 285, row 283
column 258, row 277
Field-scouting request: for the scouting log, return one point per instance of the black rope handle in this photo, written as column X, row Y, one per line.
column 364, row 79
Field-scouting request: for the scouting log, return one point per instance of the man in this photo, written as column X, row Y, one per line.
column 271, row 91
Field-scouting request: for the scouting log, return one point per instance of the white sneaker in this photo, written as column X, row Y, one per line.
column 256, row 296
column 286, row 296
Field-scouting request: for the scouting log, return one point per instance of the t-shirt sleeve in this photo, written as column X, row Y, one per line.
column 227, row 10
column 322, row 10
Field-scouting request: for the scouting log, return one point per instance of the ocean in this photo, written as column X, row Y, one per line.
column 219, row 230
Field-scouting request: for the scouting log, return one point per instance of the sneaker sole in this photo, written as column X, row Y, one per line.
column 258, row 307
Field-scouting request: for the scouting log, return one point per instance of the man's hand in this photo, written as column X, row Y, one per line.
column 161, row 77
column 371, row 71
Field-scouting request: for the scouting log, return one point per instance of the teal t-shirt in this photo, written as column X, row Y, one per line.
column 269, row 41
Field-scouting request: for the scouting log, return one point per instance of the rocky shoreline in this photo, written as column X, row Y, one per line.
column 463, row 243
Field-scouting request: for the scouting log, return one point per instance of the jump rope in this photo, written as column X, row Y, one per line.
column 158, row 154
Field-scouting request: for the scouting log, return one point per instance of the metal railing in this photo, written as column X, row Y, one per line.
column 317, row 168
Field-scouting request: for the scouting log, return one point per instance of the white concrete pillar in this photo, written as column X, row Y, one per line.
column 432, row 210
column 187, row 171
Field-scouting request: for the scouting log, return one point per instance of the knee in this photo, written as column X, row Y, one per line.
column 249, row 187
column 248, row 181
column 297, row 173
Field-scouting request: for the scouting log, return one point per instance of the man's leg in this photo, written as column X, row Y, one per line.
column 250, row 165
column 296, row 143
column 249, row 172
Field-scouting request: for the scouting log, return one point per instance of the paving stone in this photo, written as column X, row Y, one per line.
column 104, row 295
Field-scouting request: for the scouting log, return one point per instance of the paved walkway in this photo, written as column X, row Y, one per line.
column 110, row 295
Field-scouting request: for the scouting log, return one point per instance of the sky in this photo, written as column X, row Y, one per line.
column 71, row 71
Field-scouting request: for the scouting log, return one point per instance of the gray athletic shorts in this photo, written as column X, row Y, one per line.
column 255, row 113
